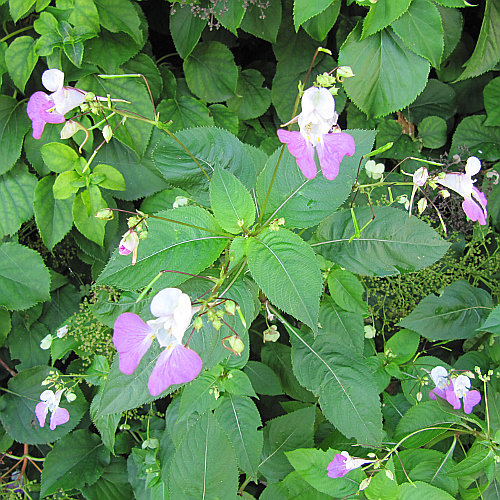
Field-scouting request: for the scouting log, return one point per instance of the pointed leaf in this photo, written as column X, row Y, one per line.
column 21, row 58
column 381, row 14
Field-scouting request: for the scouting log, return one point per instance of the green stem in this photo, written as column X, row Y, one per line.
column 29, row 457
column 14, row 33
column 244, row 485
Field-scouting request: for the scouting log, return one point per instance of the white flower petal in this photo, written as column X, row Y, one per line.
column 439, row 376
column 53, row 79
column 473, row 165
column 165, row 301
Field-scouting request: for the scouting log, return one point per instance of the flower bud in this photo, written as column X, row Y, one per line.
column 422, row 205
column 107, row 133
column 129, row 242
column 236, row 344
column 365, row 483
column 61, row 332
column 198, row 323
column 370, row 331
column 230, row 307
column 105, row 214
column 444, row 193
column 46, row 342
column 374, row 170
column 70, row 129
column 420, row 177
column 344, row 72
column 70, row 396
column 180, row 201
column 271, row 334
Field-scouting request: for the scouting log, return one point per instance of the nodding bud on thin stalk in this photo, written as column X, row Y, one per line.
column 105, row 214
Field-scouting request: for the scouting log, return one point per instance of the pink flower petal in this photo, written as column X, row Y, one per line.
column 471, row 399
column 473, row 211
column 335, row 146
column 481, row 199
column 337, row 467
column 37, row 109
column 176, row 365
column 437, row 392
column 59, row 416
column 302, row 150
column 41, row 410
column 132, row 338
column 452, row 398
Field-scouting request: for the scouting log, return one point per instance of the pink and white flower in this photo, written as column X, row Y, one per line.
column 474, row 204
column 316, row 120
column 50, row 402
column 343, row 463
column 133, row 337
column 43, row 108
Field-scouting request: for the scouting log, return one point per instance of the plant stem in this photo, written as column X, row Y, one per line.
column 14, row 33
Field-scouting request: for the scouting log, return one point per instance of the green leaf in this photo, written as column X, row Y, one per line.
column 492, row 323
column 237, row 383
column 5, row 325
column 230, row 15
column 59, row 157
column 491, row 99
column 437, row 99
column 223, row 117
column 19, row 8
column 184, row 112
column 418, row 490
column 452, row 22
column 421, row 30
column 477, row 460
column 320, row 25
column 479, row 139
column 421, row 416
column 382, row 14
column 347, row 395
column 487, row 51
column 311, row 464
column 17, row 189
column 251, row 100
column 432, row 130
column 388, row 75
column 391, row 244
column 240, row 418
column 113, row 179
column 304, row 10
column 198, row 396
column 207, row 450
column 264, row 379
column 21, row 58
column 347, row 291
column 381, row 486
column 14, row 123
column 185, row 29
column 120, row 16
column 85, row 220
column 456, row 314
column 84, row 13
column 306, row 202
column 18, row 408
column 211, row 73
column 263, row 23
column 231, row 203
column 169, row 246
column 286, row 433
column 403, row 345
column 75, row 460
column 280, row 261
column 66, row 185
column 20, row 267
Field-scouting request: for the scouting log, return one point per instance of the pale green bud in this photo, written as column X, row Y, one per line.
column 107, row 133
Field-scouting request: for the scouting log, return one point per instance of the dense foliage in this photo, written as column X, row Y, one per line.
column 250, row 247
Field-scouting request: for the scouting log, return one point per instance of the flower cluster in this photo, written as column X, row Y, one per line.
column 343, row 463
column 43, row 108
column 315, row 122
column 453, row 389
column 133, row 337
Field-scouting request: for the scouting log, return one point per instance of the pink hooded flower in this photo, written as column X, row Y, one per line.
column 316, row 120
column 50, row 402
column 474, row 204
column 133, row 337
column 343, row 463
column 43, row 108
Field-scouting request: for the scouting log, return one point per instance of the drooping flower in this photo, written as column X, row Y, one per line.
column 50, row 402
column 374, row 170
column 132, row 338
column 316, row 120
column 343, row 463
column 454, row 389
column 128, row 244
column 474, row 204
column 43, row 108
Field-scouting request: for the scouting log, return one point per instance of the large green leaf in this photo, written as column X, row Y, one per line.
column 456, row 314
column 14, row 123
column 17, row 189
column 487, row 51
column 492, row 323
column 388, row 75
column 85, row 206
column 418, row 490
column 347, row 291
column 251, row 100
column 437, row 99
column 20, row 267
column 421, row 29
column 18, row 408
column 212, row 147
column 169, row 246
column 18, row 8
column 207, row 450
column 305, row 9
column 306, row 202
column 230, row 14
column 264, row 379
column 392, row 243
column 381, row 14
column 320, row 25
column 479, row 139
column 231, row 203
column 285, row 268
column 76, row 460
column 185, row 112
column 211, row 73
column 286, row 433
column 185, row 29
column 240, row 418
column 265, row 28
column 491, row 99
column 120, row 16
column 347, row 394
column 21, row 58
